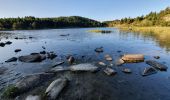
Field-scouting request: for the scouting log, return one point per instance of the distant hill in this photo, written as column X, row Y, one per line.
column 152, row 19
column 30, row 22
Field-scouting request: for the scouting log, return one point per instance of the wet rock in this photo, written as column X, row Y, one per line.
column 30, row 37
column 70, row 59
column 126, row 70
column 119, row 62
column 13, row 59
column 156, row 57
column 133, row 58
column 43, row 47
column 2, row 70
column 58, row 69
column 58, row 63
column 83, row 67
column 43, row 52
column 119, row 51
column 17, row 50
column 99, row 50
column 2, row 44
column 102, row 64
column 51, row 55
column 32, row 58
column 157, row 65
column 148, row 71
column 31, row 97
column 108, row 57
column 55, row 88
column 110, row 71
column 64, row 34
column 8, row 42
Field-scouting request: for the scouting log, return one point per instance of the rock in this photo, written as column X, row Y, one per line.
column 119, row 62
column 13, row 59
column 2, row 70
column 71, row 59
column 126, row 70
column 133, row 58
column 99, row 50
column 102, row 64
column 8, row 42
column 58, row 69
column 17, row 50
column 43, row 47
column 110, row 71
column 31, row 97
column 51, row 55
column 108, row 57
column 43, row 52
column 32, row 58
column 156, row 57
column 55, row 88
column 148, row 71
column 64, row 34
column 58, row 63
column 2, row 44
column 83, row 67
column 157, row 65
column 30, row 37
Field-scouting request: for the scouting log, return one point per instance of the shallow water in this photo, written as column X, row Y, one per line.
column 80, row 43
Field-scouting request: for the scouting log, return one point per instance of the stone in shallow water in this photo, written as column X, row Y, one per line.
column 13, row 59
column 8, row 42
column 127, row 70
column 108, row 57
column 70, row 59
column 157, row 65
column 31, row 97
column 156, row 57
column 148, row 71
column 83, row 67
column 119, row 62
column 58, row 69
column 32, row 58
column 55, row 88
column 102, row 64
column 99, row 50
column 110, row 71
column 2, row 44
column 133, row 58
column 17, row 50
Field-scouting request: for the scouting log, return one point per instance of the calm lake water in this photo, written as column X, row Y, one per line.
column 81, row 44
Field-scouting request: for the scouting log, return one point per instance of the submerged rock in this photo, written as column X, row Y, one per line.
column 2, row 70
column 55, row 88
column 26, row 83
column 17, row 50
column 110, row 71
column 126, row 70
column 51, row 55
column 83, row 67
column 8, row 42
column 102, row 64
column 133, row 58
column 31, row 97
column 13, row 59
column 43, row 52
column 156, row 57
column 99, row 50
column 108, row 57
column 157, row 65
column 148, row 71
column 64, row 34
column 32, row 58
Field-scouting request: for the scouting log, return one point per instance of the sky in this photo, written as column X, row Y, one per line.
column 101, row 10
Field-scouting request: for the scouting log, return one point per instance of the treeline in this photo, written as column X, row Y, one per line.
column 30, row 22
column 152, row 19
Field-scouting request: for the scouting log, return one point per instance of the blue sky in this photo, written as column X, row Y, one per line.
column 97, row 9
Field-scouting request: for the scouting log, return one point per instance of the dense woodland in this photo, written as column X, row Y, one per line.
column 30, row 22
column 152, row 19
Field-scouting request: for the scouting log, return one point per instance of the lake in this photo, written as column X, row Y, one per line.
column 81, row 44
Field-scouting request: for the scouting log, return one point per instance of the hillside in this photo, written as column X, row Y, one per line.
column 152, row 19
column 30, row 22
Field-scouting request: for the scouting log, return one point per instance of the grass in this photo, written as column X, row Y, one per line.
column 100, row 31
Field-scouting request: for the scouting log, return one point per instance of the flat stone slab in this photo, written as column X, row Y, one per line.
column 110, row 71
column 13, row 59
column 157, row 65
column 133, row 58
column 149, row 71
column 31, row 97
column 58, row 69
column 32, row 58
column 55, row 88
column 83, row 67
